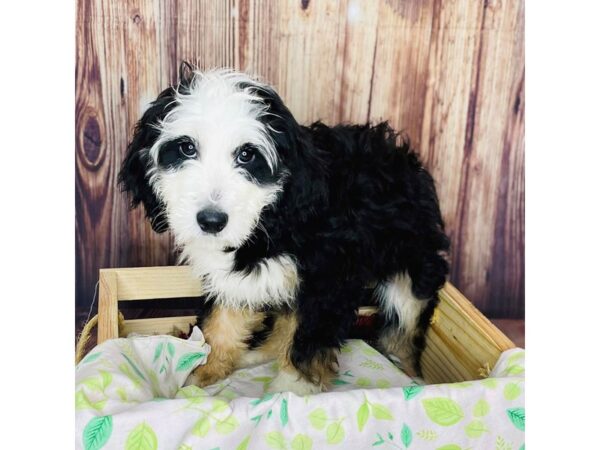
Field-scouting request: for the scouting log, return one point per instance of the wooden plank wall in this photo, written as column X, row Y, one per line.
column 449, row 73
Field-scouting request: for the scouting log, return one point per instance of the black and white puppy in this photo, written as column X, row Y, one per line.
column 286, row 224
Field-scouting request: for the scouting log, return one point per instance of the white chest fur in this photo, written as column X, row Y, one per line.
column 273, row 283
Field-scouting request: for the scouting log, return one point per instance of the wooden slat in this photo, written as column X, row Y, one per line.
column 108, row 312
column 440, row 365
column 163, row 325
column 465, row 310
column 156, row 283
column 460, row 341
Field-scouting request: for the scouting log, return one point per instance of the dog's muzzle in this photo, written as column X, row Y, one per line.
column 211, row 220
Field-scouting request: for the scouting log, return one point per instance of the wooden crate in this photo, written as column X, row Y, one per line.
column 462, row 344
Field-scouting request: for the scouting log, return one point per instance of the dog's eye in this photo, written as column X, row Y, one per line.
column 245, row 155
column 174, row 153
column 187, row 149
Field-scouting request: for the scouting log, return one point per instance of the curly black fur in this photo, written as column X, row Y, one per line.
column 358, row 207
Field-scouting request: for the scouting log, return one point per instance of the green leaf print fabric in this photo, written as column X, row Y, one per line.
column 130, row 394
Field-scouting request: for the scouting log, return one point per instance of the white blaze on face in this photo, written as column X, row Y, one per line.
column 219, row 117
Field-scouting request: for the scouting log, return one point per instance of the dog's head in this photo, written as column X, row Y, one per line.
column 209, row 155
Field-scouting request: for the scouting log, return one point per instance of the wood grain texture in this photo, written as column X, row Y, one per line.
column 460, row 341
column 143, row 283
column 108, row 304
column 448, row 73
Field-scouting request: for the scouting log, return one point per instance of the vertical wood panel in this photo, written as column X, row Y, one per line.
column 355, row 61
column 307, row 54
column 144, row 74
column 497, row 70
column 449, row 73
column 400, row 79
column 450, row 92
column 497, row 165
column 259, row 34
column 101, row 127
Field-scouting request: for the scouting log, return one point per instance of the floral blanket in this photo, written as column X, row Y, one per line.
column 129, row 395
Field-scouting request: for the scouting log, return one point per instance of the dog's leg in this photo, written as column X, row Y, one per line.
column 321, row 323
column 290, row 379
column 276, row 343
column 228, row 332
column 279, row 345
column 406, row 320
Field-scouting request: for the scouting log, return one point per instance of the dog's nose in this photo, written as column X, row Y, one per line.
column 211, row 220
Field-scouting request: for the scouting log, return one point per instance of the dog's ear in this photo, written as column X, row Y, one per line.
column 133, row 177
column 307, row 186
column 281, row 120
column 186, row 74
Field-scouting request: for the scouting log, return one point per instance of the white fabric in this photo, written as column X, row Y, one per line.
column 129, row 395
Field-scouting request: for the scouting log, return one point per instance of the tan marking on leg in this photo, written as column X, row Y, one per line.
column 312, row 377
column 276, row 344
column 227, row 331
column 279, row 342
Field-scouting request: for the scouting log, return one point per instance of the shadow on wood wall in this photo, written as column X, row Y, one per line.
column 449, row 73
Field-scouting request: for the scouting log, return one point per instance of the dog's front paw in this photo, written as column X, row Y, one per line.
column 292, row 382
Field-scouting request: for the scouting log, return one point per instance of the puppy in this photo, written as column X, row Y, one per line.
column 286, row 224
